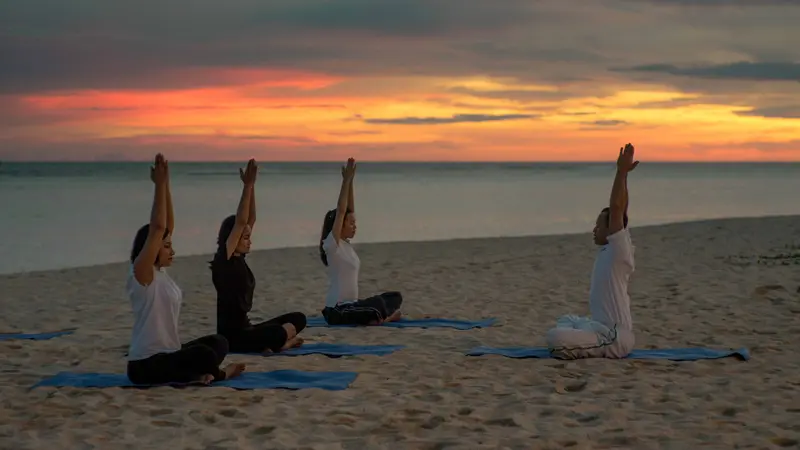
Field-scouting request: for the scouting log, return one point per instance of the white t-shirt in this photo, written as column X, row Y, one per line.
column 156, row 308
column 609, row 302
column 343, row 266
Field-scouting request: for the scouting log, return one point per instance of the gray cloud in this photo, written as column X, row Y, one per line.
column 723, row 3
column 457, row 118
column 148, row 44
column 607, row 123
column 786, row 112
column 517, row 95
column 765, row 71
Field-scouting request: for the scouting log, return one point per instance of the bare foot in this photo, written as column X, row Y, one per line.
column 294, row 342
column 267, row 351
column 395, row 316
column 233, row 370
column 205, row 379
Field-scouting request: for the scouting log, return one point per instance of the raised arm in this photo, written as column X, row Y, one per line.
column 170, row 212
column 351, row 203
column 345, row 196
column 618, row 203
column 251, row 216
column 248, row 176
column 143, row 265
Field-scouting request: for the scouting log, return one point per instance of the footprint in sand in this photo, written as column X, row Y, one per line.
column 764, row 290
column 505, row 422
column 261, row 431
column 203, row 418
column 433, row 422
column 166, row 423
column 230, row 413
column 160, row 412
column 784, row 442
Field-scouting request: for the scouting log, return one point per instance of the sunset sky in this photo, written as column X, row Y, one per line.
column 443, row 80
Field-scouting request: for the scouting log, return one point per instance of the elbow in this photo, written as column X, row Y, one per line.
column 158, row 227
column 242, row 217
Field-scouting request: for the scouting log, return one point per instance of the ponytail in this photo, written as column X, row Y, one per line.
column 327, row 227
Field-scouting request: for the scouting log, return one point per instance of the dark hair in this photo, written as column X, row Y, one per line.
column 140, row 239
column 225, row 229
column 327, row 227
column 608, row 217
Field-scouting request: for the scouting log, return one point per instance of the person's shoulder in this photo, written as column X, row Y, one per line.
column 135, row 288
column 621, row 245
column 621, row 236
column 221, row 260
column 329, row 241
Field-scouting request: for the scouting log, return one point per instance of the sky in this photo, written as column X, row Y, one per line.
column 392, row 80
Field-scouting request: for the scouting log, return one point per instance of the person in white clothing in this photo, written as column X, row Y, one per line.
column 342, row 303
column 608, row 333
column 156, row 355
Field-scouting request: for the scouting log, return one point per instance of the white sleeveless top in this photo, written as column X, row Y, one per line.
column 343, row 267
column 156, row 309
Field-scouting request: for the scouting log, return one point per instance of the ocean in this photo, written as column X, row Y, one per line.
column 59, row 215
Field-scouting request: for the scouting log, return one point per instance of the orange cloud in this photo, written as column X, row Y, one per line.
column 276, row 114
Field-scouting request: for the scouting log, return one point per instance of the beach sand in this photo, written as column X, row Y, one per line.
column 726, row 283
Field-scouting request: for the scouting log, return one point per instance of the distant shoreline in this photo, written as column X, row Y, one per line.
column 432, row 241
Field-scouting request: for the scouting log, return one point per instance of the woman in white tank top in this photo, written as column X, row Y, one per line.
column 342, row 303
column 156, row 355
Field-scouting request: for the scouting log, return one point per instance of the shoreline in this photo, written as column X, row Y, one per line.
column 358, row 244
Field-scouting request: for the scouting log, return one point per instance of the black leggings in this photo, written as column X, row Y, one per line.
column 266, row 335
column 364, row 312
column 194, row 359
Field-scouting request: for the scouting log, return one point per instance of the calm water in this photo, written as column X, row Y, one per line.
column 56, row 215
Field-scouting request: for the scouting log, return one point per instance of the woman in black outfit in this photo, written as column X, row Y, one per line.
column 235, row 284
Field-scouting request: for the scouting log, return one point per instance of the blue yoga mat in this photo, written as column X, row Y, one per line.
column 672, row 354
column 319, row 321
column 337, row 350
column 278, row 379
column 34, row 336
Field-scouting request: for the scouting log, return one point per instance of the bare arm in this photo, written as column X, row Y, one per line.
column 251, row 217
column 170, row 212
column 618, row 203
column 345, row 195
column 351, row 203
column 143, row 265
column 243, row 211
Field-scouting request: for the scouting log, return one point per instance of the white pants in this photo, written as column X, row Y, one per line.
column 577, row 337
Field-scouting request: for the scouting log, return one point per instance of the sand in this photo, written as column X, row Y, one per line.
column 726, row 283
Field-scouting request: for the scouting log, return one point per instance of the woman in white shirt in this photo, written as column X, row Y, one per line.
column 156, row 355
column 342, row 305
